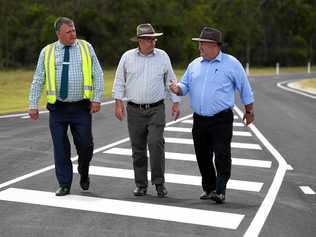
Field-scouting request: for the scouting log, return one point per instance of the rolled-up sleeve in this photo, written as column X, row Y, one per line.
column 118, row 90
column 243, row 86
column 37, row 83
column 184, row 84
column 170, row 76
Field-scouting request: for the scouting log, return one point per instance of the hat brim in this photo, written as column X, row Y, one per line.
column 135, row 38
column 205, row 40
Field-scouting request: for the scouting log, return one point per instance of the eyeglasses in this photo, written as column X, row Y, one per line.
column 149, row 39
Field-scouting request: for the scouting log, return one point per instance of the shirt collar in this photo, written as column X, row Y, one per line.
column 151, row 54
column 61, row 45
column 217, row 58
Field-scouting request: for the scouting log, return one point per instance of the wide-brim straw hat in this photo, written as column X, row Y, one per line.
column 145, row 30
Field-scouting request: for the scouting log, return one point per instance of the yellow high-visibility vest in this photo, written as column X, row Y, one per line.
column 50, row 71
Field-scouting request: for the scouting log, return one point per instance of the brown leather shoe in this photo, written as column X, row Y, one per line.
column 140, row 191
column 62, row 191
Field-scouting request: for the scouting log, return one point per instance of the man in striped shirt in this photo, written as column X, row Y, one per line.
column 74, row 91
column 143, row 76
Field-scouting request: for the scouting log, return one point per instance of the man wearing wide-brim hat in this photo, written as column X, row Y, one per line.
column 143, row 76
column 211, row 81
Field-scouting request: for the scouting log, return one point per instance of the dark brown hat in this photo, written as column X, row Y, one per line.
column 209, row 34
column 145, row 30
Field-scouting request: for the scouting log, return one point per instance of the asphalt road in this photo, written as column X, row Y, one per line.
column 272, row 159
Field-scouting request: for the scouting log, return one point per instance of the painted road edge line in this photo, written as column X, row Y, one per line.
column 267, row 203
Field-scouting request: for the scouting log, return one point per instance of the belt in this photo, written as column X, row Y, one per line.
column 145, row 106
column 213, row 116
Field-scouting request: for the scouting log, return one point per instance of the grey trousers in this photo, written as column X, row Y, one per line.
column 146, row 127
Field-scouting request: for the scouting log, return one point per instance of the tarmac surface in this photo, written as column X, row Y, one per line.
column 271, row 191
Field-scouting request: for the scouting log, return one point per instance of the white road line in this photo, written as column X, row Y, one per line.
column 191, row 157
column 268, row 201
column 236, row 117
column 189, row 130
column 297, row 91
column 126, row 208
column 172, row 178
column 233, row 144
column 235, row 124
column 307, row 190
column 29, row 175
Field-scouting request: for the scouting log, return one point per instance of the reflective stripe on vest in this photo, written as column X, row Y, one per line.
column 50, row 71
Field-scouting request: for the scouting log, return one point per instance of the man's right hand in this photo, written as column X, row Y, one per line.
column 119, row 109
column 174, row 87
column 33, row 113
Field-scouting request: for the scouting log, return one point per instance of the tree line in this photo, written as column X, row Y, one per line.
column 260, row 32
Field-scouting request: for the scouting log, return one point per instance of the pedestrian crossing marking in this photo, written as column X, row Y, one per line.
column 125, row 208
column 235, row 124
column 233, row 144
column 172, row 178
column 191, row 157
column 189, row 130
column 307, row 190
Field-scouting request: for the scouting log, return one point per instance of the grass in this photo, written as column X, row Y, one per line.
column 15, row 85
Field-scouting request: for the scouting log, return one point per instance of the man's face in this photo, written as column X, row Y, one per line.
column 67, row 34
column 147, row 44
column 208, row 50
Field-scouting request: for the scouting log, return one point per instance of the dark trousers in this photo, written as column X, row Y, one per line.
column 212, row 137
column 77, row 116
column 146, row 127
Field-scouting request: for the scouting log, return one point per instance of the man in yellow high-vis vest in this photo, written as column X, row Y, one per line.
column 73, row 78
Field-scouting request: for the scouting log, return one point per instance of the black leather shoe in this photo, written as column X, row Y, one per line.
column 218, row 198
column 140, row 191
column 207, row 195
column 84, row 183
column 62, row 191
column 161, row 190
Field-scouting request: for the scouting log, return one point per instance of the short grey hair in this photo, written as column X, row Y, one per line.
column 62, row 20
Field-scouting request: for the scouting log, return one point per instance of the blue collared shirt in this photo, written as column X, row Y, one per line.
column 212, row 84
column 75, row 83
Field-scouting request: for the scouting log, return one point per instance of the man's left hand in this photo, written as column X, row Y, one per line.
column 175, row 111
column 95, row 107
column 249, row 117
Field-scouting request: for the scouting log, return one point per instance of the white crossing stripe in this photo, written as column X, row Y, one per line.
column 233, row 144
column 307, row 190
column 172, row 178
column 189, row 130
column 191, row 157
column 235, row 124
column 126, row 208
column 236, row 117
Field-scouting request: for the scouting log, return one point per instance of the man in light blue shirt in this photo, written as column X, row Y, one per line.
column 211, row 81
